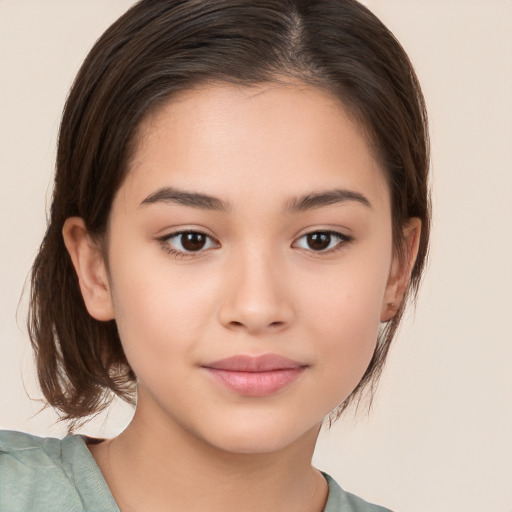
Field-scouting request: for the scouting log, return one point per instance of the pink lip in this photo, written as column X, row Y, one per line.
column 255, row 376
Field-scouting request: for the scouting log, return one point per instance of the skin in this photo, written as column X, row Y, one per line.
column 256, row 288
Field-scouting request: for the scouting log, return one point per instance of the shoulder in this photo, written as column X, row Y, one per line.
column 24, row 454
column 44, row 474
column 343, row 501
column 34, row 474
column 12, row 442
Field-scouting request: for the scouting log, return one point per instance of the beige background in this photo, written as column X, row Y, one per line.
column 440, row 435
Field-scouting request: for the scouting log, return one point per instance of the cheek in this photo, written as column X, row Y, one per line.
column 347, row 329
column 160, row 313
column 348, row 298
column 343, row 320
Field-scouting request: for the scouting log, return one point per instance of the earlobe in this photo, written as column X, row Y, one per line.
column 90, row 268
column 401, row 269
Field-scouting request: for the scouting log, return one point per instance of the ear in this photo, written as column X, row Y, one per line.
column 90, row 268
column 401, row 268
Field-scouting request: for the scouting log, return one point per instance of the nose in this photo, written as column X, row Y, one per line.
column 258, row 295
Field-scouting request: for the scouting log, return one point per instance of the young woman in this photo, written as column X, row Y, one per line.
column 240, row 214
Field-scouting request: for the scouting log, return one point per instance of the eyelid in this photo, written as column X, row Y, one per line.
column 343, row 239
column 164, row 241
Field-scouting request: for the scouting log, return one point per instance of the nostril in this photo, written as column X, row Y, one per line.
column 274, row 325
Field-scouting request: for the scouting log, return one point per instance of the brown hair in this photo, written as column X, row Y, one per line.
column 159, row 48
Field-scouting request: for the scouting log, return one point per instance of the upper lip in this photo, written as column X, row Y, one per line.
column 247, row 363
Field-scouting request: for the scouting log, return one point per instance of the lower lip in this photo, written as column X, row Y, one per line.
column 256, row 383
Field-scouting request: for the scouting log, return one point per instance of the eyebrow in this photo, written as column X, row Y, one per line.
column 184, row 198
column 297, row 204
column 325, row 198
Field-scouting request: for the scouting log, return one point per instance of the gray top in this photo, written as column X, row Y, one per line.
column 53, row 475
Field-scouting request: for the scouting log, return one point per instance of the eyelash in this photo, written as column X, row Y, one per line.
column 179, row 254
column 342, row 241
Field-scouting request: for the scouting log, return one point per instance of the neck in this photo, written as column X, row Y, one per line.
column 160, row 466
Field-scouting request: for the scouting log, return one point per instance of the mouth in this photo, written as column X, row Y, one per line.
column 255, row 376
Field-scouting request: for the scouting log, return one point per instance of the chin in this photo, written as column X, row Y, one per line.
column 258, row 438
column 247, row 446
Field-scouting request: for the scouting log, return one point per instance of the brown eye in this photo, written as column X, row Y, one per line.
column 193, row 241
column 322, row 241
column 186, row 242
column 318, row 241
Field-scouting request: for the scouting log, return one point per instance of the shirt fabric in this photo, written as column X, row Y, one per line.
column 53, row 475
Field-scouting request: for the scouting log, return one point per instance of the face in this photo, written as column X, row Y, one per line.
column 250, row 263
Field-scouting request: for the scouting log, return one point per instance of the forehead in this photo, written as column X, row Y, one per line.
column 274, row 139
